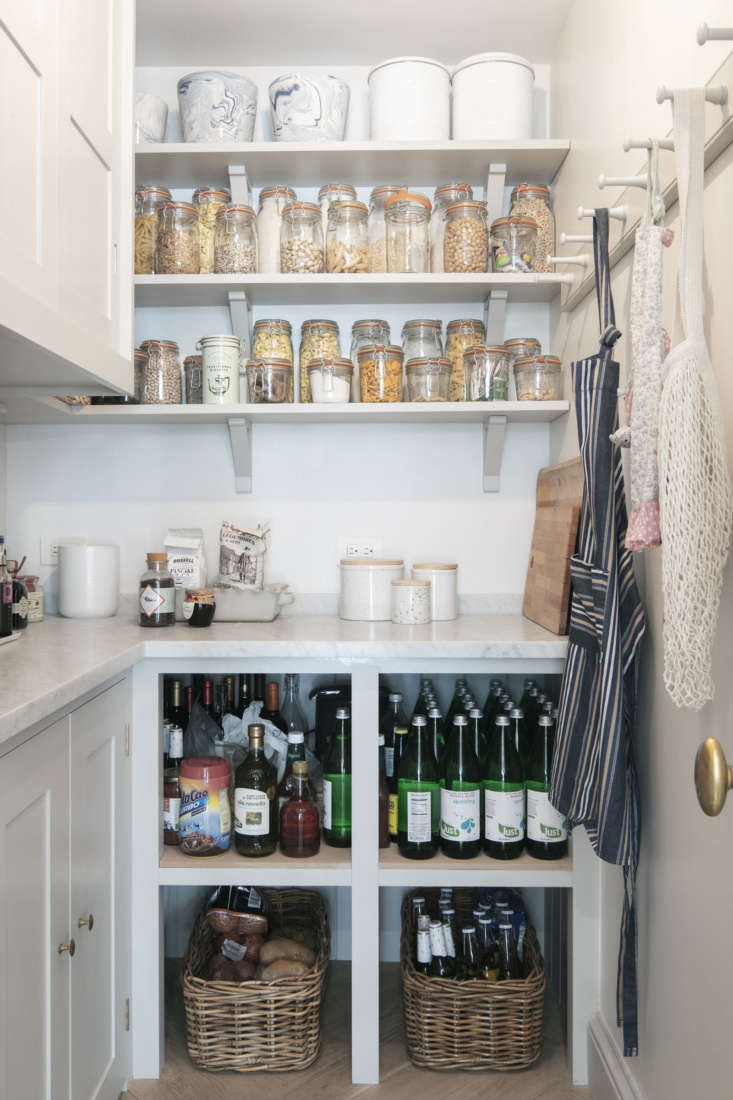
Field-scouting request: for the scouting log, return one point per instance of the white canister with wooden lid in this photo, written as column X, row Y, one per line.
column 443, row 579
column 366, row 586
column 410, row 602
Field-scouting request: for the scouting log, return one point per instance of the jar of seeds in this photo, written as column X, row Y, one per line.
column 301, row 240
column 162, row 377
column 445, row 196
column 318, row 340
column 193, row 380
column 377, row 225
column 466, row 240
column 235, row 240
column 363, row 333
column 208, row 201
column 272, row 339
column 529, row 200
column 459, row 336
column 346, row 246
column 139, row 365
column 148, row 201
column 177, row 242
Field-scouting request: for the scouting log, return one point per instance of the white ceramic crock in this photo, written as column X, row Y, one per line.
column 366, row 588
column 409, row 100
column 89, row 580
column 443, row 588
column 492, row 98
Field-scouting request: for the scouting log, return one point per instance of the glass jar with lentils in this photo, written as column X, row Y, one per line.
column 177, row 239
column 301, row 240
column 459, row 336
column 529, row 200
column 318, row 340
column 162, row 373
column 209, row 201
column 235, row 240
column 466, row 239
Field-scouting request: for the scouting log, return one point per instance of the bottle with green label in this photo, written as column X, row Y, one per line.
column 337, row 784
column 460, row 794
column 547, row 829
column 256, row 822
column 418, row 788
column 503, row 786
column 401, row 735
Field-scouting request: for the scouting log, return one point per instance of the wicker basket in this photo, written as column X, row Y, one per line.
column 257, row 1025
column 471, row 1025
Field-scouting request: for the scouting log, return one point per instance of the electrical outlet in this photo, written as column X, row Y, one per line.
column 360, row 548
column 49, row 552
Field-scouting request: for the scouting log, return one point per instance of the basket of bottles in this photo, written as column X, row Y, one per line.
column 473, row 980
column 248, row 1018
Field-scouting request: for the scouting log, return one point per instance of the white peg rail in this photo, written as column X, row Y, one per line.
column 579, row 261
column 646, row 143
column 621, row 181
column 619, row 213
column 716, row 93
column 576, row 238
column 711, row 34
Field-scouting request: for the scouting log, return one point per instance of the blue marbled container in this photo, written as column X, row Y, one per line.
column 217, row 107
column 308, row 108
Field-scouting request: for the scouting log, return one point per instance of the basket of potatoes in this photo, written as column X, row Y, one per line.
column 253, row 984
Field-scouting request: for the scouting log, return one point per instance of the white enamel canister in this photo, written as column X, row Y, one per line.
column 409, row 100
column 366, row 588
column 492, row 98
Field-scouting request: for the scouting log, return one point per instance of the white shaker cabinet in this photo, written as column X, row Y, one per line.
column 65, row 880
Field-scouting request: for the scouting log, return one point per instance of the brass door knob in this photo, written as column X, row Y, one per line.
column 713, row 777
column 87, row 922
column 70, row 947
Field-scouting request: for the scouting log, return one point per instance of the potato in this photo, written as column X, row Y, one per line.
column 245, row 970
column 220, row 970
column 283, row 948
column 283, row 968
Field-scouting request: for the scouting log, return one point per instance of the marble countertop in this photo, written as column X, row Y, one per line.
column 57, row 661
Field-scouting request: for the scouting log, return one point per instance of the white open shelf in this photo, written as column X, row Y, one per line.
column 330, row 867
column 366, row 163
column 441, row 870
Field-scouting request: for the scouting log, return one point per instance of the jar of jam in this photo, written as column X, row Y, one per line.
column 199, row 606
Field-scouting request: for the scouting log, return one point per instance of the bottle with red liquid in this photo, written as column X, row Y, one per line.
column 300, row 833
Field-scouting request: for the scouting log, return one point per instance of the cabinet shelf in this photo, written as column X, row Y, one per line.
column 441, row 870
column 331, row 867
column 366, row 163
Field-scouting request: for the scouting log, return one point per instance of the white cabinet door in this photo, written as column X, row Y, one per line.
column 100, row 895
column 34, row 918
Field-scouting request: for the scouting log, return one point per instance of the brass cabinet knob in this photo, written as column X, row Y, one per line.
column 87, row 922
column 70, row 947
column 713, row 777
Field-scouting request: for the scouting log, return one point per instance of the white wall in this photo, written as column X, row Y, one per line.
column 620, row 53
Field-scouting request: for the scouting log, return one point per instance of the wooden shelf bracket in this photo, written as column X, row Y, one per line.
column 494, row 436
column 240, row 438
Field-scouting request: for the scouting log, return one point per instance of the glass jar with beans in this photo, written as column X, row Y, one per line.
column 329, row 194
column 140, row 364
column 513, row 244
column 487, row 373
column 362, row 334
column 318, row 340
column 529, row 200
column 235, row 240
column 177, row 239
column 538, row 379
column 347, row 249
column 459, row 336
column 193, row 380
column 270, row 381
column 445, row 196
column 272, row 339
column 466, row 239
column 407, row 217
column 380, row 372
column 428, row 379
column 301, row 240
column 162, row 374
column 377, row 225
column 148, row 201
column 209, row 201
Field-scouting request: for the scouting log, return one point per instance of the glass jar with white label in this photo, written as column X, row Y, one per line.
column 157, row 595
column 220, row 368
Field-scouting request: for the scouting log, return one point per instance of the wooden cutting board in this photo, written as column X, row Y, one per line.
column 547, row 590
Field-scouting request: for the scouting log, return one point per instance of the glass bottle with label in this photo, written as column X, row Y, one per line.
column 441, row 965
column 547, row 829
column 300, row 834
column 460, row 795
column 157, row 598
column 418, row 795
column 470, row 962
column 337, row 784
column 295, row 754
column 393, row 717
column 175, row 711
column 511, row 968
column 423, row 953
column 244, row 699
column 383, row 798
column 172, row 786
column 489, row 950
column 20, row 598
column 401, row 737
column 255, row 799
column 503, row 784
column 290, row 709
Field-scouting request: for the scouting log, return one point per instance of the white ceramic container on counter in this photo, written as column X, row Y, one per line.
column 492, row 98
column 411, row 602
column 217, row 106
column 443, row 588
column 308, row 108
column 409, row 100
column 89, row 580
column 366, row 588
column 151, row 115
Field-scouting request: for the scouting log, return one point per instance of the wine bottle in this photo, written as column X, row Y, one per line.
column 176, row 712
column 460, row 795
column 393, row 718
column 337, row 784
column 503, row 785
column 547, row 829
column 400, row 735
column 258, row 690
column 255, row 799
column 243, row 695
column 290, row 709
column 383, row 798
column 271, row 710
column 418, row 795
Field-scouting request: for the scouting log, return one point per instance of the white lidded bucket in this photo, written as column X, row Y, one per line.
column 89, row 580
column 409, row 100
column 492, row 98
column 366, row 588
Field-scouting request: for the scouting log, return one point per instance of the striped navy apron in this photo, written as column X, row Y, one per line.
column 593, row 777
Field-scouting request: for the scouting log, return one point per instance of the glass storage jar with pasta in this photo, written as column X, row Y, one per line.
column 377, row 225
column 330, row 381
column 272, row 339
column 538, row 379
column 529, row 200
column 193, row 380
column 318, row 340
column 428, row 379
column 487, row 373
column 362, row 334
column 328, row 195
column 273, row 201
column 347, row 248
column 445, row 196
column 407, row 217
column 208, row 201
column 162, row 378
column 270, row 381
column 466, row 239
column 235, row 240
column 301, row 240
column 513, row 244
column 177, row 242
column 380, row 372
column 148, row 201
column 459, row 336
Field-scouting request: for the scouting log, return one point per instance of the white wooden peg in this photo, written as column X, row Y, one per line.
column 710, row 34
column 619, row 213
column 715, row 93
column 580, row 261
column 646, row 143
column 622, row 181
column 576, row 238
